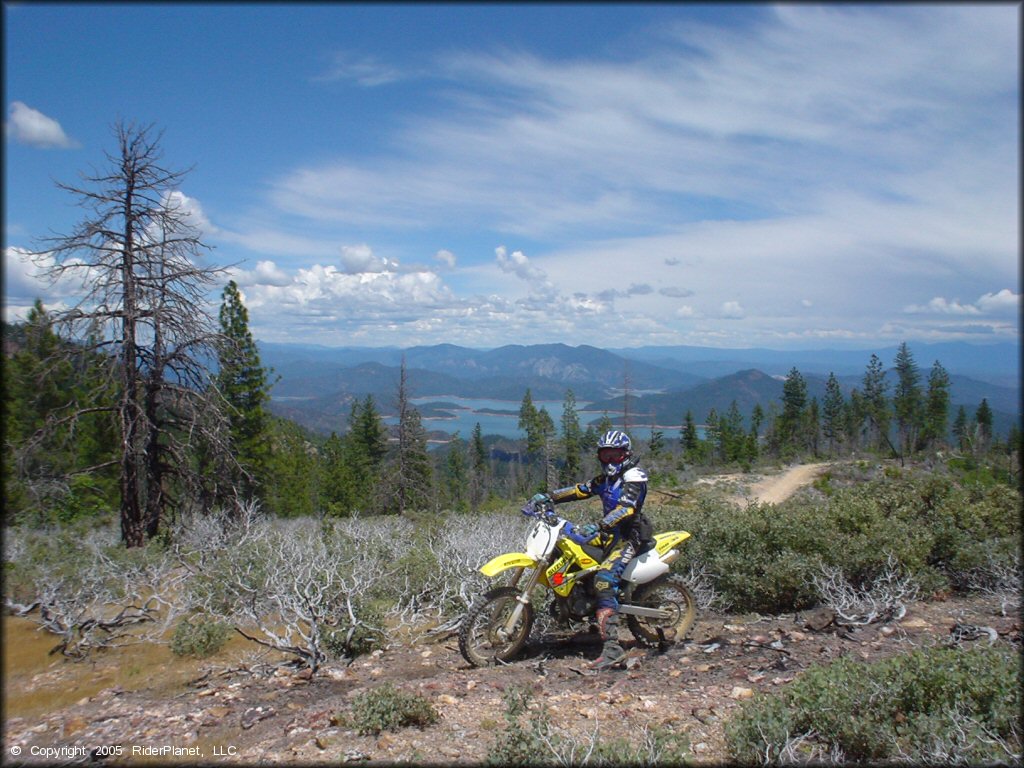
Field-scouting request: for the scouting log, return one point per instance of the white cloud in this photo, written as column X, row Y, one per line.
column 366, row 71
column 988, row 304
column 30, row 126
column 1000, row 302
column 446, row 258
column 192, row 211
column 732, row 310
column 518, row 264
column 359, row 259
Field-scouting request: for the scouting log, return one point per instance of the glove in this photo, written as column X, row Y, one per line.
column 529, row 511
column 540, row 499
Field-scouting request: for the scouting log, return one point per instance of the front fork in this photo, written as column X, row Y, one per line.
column 521, row 599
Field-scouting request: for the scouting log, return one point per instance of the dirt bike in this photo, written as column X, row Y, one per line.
column 658, row 606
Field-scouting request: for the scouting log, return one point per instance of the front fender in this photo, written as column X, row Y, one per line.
column 506, row 561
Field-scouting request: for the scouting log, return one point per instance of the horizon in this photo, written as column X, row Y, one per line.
column 783, row 177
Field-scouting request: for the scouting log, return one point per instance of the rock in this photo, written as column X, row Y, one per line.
column 446, row 698
column 254, row 715
column 741, row 693
column 820, row 618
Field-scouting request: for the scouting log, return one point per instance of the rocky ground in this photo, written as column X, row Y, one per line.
column 229, row 715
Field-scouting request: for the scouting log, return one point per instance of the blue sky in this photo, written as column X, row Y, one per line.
column 794, row 176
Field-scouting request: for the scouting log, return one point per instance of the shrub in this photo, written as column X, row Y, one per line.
column 763, row 557
column 529, row 738
column 387, row 708
column 931, row 705
column 199, row 637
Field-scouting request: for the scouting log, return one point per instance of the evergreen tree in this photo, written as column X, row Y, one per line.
column 689, row 436
column 456, row 474
column 936, row 405
column 983, row 418
column 876, row 404
column 907, row 400
column 366, row 443
column 713, row 436
column 960, row 428
column 731, row 435
column 59, row 435
column 571, row 440
column 791, row 424
column 480, row 482
column 294, row 491
column 338, row 485
column 242, row 382
column 813, row 425
column 833, row 410
column 545, row 427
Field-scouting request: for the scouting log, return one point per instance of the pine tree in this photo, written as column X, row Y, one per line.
column 335, row 477
column 961, row 428
column 876, row 404
column 791, row 424
column 689, row 436
column 366, row 443
column 936, row 406
column 480, row 476
column 813, row 425
column 456, row 474
column 242, row 382
column 833, row 410
column 907, row 400
column 571, row 440
column 713, row 436
column 983, row 418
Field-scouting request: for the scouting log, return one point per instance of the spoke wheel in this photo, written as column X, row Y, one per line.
column 483, row 640
column 668, row 593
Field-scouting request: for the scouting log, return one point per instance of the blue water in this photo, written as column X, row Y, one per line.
column 468, row 413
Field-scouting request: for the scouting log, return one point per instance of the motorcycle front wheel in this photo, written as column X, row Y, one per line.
column 483, row 639
column 668, row 593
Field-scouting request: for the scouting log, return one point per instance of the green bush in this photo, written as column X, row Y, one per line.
column 930, row 706
column 387, row 709
column 761, row 557
column 199, row 637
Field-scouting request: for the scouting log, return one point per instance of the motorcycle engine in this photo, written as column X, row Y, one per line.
column 581, row 603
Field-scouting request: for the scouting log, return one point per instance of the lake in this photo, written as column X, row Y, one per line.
column 496, row 417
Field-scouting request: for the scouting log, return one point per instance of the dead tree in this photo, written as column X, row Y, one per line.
column 138, row 258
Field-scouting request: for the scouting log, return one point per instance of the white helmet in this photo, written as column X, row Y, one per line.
column 614, row 451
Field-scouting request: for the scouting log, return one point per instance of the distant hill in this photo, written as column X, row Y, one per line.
column 318, row 384
column 996, row 363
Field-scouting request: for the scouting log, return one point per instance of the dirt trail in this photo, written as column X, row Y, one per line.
column 777, row 488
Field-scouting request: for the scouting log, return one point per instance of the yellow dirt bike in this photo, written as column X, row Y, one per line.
column 658, row 605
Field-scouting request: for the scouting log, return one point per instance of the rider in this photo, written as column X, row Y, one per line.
column 622, row 486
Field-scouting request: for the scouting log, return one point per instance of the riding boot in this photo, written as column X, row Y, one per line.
column 611, row 652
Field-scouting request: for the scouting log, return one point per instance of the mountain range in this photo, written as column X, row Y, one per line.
column 315, row 386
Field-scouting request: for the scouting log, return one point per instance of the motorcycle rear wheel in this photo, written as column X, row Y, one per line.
column 668, row 593
column 481, row 638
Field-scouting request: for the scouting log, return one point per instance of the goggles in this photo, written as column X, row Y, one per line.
column 612, row 455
